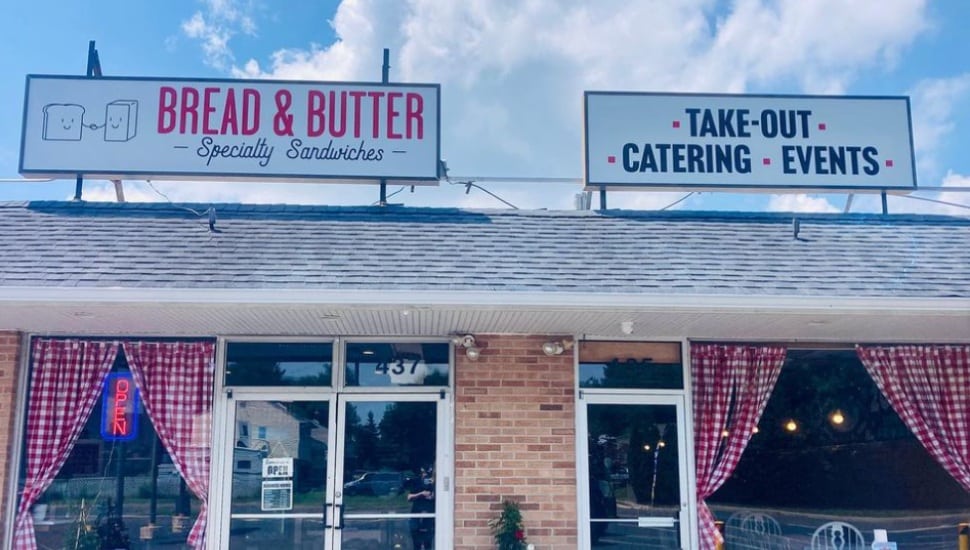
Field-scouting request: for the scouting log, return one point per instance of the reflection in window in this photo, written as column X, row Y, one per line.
column 639, row 365
column 390, row 446
column 829, row 447
column 295, row 430
column 398, row 364
column 633, row 473
column 102, row 481
column 279, row 364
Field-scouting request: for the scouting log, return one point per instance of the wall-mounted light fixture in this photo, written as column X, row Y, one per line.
column 467, row 342
column 556, row 347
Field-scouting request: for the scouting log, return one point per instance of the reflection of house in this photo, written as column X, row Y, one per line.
column 271, row 430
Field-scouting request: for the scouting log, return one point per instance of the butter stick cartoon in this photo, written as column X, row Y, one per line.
column 120, row 120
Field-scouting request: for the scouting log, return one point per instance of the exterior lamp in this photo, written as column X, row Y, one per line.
column 556, row 347
column 467, row 341
column 837, row 418
column 791, row 426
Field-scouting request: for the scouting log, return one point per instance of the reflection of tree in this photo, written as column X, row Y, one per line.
column 871, row 456
column 625, row 437
column 368, row 439
column 352, row 458
column 632, row 373
column 812, row 385
column 254, row 372
column 408, row 431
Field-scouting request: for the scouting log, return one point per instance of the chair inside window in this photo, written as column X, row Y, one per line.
column 838, row 535
column 754, row 531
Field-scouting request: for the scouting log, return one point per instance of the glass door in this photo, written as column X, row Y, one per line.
column 341, row 471
column 636, row 491
column 387, row 466
column 280, row 473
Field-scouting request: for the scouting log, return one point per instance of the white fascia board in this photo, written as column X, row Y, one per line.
column 565, row 301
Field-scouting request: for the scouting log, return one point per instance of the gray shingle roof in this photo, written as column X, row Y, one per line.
column 64, row 244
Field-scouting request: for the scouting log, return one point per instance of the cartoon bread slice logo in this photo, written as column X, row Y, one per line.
column 63, row 122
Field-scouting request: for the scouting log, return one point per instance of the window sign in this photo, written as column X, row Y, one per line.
column 277, row 496
column 119, row 417
column 278, row 467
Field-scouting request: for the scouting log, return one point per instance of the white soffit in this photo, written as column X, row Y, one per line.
column 311, row 313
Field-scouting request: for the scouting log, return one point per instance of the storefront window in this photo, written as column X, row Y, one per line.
column 630, row 365
column 373, row 364
column 279, row 364
column 830, row 448
column 118, row 487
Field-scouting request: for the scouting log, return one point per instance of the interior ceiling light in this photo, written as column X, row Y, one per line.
column 837, row 418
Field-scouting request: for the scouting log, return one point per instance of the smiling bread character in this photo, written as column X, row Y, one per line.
column 63, row 122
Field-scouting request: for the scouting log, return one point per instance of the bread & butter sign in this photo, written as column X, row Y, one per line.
column 721, row 141
column 230, row 129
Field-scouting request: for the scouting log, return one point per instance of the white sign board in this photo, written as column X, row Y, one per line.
column 664, row 141
column 276, row 496
column 278, row 467
column 261, row 130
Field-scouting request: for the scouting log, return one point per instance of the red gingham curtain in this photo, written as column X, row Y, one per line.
column 176, row 383
column 929, row 388
column 731, row 386
column 65, row 381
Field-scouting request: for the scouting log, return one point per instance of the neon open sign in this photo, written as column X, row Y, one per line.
column 119, row 402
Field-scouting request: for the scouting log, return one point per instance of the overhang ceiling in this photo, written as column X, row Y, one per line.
column 657, row 319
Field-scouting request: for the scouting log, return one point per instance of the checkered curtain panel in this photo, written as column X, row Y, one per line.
column 731, row 386
column 176, row 383
column 65, row 381
column 929, row 388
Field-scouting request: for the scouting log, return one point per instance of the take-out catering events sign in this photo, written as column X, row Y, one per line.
column 230, row 129
column 648, row 140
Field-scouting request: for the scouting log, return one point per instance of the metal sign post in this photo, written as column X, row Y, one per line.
column 93, row 70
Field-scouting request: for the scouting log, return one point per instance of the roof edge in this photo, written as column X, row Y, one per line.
column 565, row 301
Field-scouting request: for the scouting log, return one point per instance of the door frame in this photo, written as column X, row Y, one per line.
column 444, row 493
column 220, row 492
column 688, row 498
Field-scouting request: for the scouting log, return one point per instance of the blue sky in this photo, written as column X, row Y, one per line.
column 512, row 75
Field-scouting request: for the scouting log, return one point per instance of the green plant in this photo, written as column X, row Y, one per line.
column 508, row 529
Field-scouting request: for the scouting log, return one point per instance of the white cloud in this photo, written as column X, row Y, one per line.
column 946, row 203
column 820, row 44
column 512, row 73
column 800, row 203
column 222, row 20
column 933, row 105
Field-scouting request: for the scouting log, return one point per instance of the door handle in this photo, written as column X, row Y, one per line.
column 326, row 515
column 338, row 515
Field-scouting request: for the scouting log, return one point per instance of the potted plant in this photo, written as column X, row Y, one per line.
column 107, row 532
column 508, row 529
column 83, row 534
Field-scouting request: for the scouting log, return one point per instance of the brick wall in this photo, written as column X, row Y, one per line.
column 9, row 369
column 515, row 439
